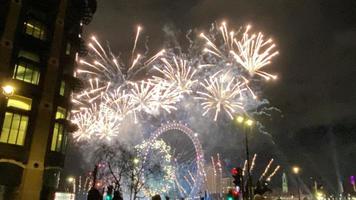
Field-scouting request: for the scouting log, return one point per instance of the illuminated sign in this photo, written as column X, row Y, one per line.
column 64, row 196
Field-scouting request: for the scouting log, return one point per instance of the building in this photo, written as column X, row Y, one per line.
column 227, row 184
column 39, row 41
column 213, row 183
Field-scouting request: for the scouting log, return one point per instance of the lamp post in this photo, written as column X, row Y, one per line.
column 296, row 171
column 246, row 122
column 72, row 181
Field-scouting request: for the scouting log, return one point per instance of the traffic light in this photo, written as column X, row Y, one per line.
column 233, row 194
column 237, row 176
column 109, row 192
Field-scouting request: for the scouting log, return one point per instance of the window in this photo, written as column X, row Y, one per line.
column 19, row 102
column 35, row 28
column 62, row 88
column 26, row 68
column 68, row 47
column 15, row 124
column 14, row 129
column 26, row 72
column 59, row 139
column 61, row 113
column 29, row 56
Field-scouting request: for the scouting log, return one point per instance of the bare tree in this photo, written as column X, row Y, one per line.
column 115, row 160
column 123, row 167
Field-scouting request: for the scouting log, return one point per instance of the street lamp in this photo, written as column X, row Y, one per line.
column 136, row 161
column 296, row 171
column 246, row 122
column 8, row 90
column 72, row 181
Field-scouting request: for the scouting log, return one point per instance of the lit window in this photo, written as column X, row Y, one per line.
column 35, row 29
column 59, row 139
column 19, row 102
column 68, row 47
column 26, row 72
column 62, row 88
column 61, row 113
column 26, row 69
column 14, row 129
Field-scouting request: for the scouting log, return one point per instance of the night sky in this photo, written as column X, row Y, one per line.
column 316, row 89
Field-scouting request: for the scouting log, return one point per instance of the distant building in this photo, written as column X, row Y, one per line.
column 284, row 183
column 39, row 42
column 215, row 183
column 226, row 184
column 210, row 179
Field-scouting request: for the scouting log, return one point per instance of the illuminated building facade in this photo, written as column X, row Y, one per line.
column 39, row 42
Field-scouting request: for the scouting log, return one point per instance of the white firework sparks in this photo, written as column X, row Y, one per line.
column 220, row 95
column 85, row 121
column 167, row 95
column 99, row 121
column 266, row 169
column 108, row 67
column 107, row 124
column 179, row 73
column 273, row 173
column 113, row 90
column 108, row 83
column 143, row 96
column 120, row 102
column 90, row 95
column 254, row 53
column 239, row 58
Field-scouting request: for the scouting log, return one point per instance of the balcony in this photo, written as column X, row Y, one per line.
column 75, row 83
column 81, row 11
column 68, row 125
column 51, row 6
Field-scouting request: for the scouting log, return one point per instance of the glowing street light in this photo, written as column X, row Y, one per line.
column 296, row 171
column 72, row 181
column 136, row 161
column 240, row 119
column 8, row 90
column 246, row 122
column 249, row 122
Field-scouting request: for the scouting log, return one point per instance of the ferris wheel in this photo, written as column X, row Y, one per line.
column 176, row 141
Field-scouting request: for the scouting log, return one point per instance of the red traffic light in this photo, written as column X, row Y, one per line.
column 234, row 193
column 234, row 171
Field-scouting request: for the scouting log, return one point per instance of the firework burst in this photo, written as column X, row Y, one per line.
column 107, row 124
column 254, row 53
column 107, row 67
column 143, row 96
column 167, row 95
column 111, row 92
column 220, row 77
column 120, row 102
column 238, row 60
column 84, row 121
column 220, row 94
column 179, row 73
